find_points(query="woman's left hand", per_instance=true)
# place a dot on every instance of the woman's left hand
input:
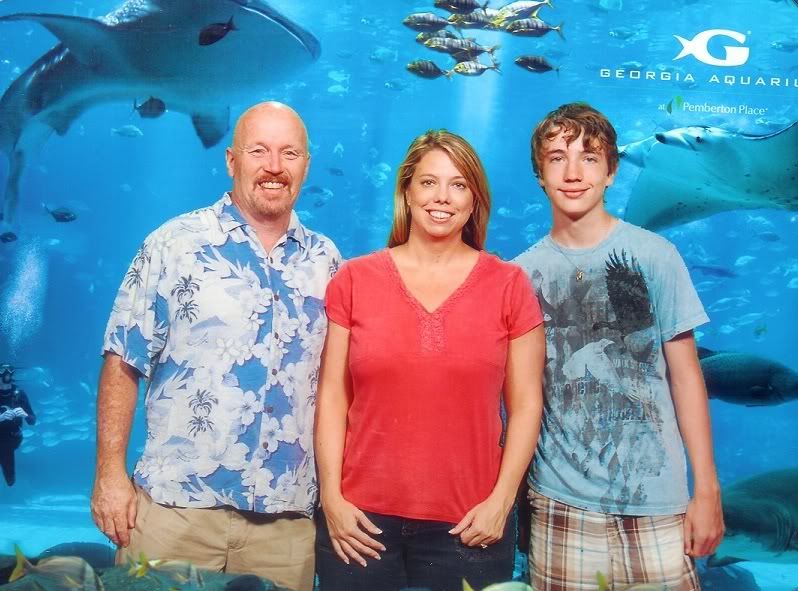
(484, 524)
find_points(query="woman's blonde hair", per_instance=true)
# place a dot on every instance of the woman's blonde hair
(465, 159)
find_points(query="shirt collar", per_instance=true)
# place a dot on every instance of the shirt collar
(230, 218)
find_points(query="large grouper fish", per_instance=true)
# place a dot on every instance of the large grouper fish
(148, 48)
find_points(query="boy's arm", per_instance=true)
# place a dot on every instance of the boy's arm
(704, 519)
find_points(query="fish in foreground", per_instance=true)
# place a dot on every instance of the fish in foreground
(533, 27)
(62, 214)
(519, 10)
(425, 21)
(460, 6)
(179, 571)
(459, 46)
(215, 32)
(535, 63)
(474, 68)
(152, 108)
(427, 69)
(56, 573)
(479, 19)
(8, 237)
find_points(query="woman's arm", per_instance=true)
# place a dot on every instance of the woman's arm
(347, 524)
(523, 399)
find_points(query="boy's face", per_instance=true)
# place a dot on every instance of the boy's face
(574, 176)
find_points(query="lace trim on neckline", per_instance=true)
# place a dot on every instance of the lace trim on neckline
(431, 324)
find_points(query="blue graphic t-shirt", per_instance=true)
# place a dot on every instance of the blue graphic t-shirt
(609, 440)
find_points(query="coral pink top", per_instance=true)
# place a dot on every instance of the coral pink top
(424, 427)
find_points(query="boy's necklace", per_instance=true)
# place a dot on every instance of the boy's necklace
(580, 274)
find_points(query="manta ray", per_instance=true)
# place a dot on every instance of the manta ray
(761, 517)
(148, 48)
(693, 172)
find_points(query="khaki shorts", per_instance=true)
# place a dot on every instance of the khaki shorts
(568, 546)
(276, 547)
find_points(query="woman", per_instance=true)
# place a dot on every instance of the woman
(423, 338)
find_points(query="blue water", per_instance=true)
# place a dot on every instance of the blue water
(362, 109)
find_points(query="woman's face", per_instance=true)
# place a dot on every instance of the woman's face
(439, 199)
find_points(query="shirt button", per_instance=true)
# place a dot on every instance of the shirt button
(265, 445)
(271, 260)
(277, 297)
(270, 409)
(276, 336)
(274, 372)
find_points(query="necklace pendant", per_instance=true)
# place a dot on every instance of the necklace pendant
(579, 275)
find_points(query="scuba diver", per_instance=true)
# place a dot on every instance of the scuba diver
(14, 407)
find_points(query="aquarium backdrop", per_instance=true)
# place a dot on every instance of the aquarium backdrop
(116, 119)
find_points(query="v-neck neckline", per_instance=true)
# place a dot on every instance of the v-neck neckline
(452, 297)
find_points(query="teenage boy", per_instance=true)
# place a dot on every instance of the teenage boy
(623, 386)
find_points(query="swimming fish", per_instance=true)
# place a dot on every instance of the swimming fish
(425, 21)
(57, 572)
(62, 214)
(152, 108)
(535, 63)
(8, 237)
(460, 6)
(474, 68)
(532, 27)
(741, 378)
(427, 69)
(215, 32)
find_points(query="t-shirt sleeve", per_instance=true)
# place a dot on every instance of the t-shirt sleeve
(338, 300)
(676, 301)
(139, 320)
(522, 307)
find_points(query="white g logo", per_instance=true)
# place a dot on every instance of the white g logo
(697, 47)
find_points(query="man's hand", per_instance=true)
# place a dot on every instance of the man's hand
(113, 507)
(703, 525)
(19, 412)
(8, 415)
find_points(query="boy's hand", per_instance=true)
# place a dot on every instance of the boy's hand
(703, 525)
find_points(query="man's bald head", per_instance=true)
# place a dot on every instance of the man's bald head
(267, 110)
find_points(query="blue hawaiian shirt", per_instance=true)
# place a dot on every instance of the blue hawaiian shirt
(228, 338)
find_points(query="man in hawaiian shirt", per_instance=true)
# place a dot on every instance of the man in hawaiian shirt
(221, 312)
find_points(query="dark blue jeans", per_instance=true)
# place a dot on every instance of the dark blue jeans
(418, 554)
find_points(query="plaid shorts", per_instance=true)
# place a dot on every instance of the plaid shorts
(569, 546)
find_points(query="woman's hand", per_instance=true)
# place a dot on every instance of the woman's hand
(484, 524)
(349, 532)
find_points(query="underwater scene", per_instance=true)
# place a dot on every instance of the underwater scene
(115, 116)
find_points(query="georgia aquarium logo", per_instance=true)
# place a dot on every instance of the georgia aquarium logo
(698, 47)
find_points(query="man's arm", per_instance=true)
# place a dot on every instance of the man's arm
(704, 519)
(113, 500)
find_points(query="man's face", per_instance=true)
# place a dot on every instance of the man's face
(6, 376)
(269, 161)
(574, 176)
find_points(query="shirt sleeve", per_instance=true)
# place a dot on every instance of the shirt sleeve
(678, 307)
(139, 320)
(523, 310)
(338, 300)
